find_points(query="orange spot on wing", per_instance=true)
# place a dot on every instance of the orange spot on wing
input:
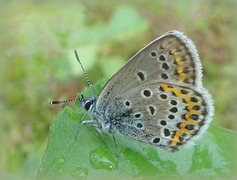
(179, 70)
(179, 62)
(175, 140)
(173, 143)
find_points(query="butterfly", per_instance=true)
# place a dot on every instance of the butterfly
(157, 97)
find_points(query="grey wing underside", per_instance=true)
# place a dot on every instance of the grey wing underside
(169, 116)
(171, 57)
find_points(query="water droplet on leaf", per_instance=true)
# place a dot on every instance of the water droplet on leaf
(100, 158)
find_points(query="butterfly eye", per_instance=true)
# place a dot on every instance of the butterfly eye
(88, 104)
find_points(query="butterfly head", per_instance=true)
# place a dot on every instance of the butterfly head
(88, 103)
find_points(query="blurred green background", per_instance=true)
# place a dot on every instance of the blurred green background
(37, 63)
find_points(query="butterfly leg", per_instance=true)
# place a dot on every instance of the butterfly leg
(82, 123)
(116, 146)
(88, 122)
(96, 126)
(98, 130)
(115, 142)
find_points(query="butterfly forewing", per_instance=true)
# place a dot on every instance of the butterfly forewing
(172, 57)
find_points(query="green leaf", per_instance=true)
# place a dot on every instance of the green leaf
(123, 24)
(87, 154)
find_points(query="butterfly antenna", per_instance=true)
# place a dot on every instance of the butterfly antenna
(85, 74)
(65, 101)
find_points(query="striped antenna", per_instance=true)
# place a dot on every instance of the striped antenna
(85, 74)
(87, 80)
(68, 100)
(65, 101)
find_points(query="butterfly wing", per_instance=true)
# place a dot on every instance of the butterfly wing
(158, 97)
(171, 57)
(163, 114)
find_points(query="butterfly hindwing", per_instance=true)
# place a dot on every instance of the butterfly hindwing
(162, 114)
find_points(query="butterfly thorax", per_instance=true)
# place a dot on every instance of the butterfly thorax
(98, 118)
